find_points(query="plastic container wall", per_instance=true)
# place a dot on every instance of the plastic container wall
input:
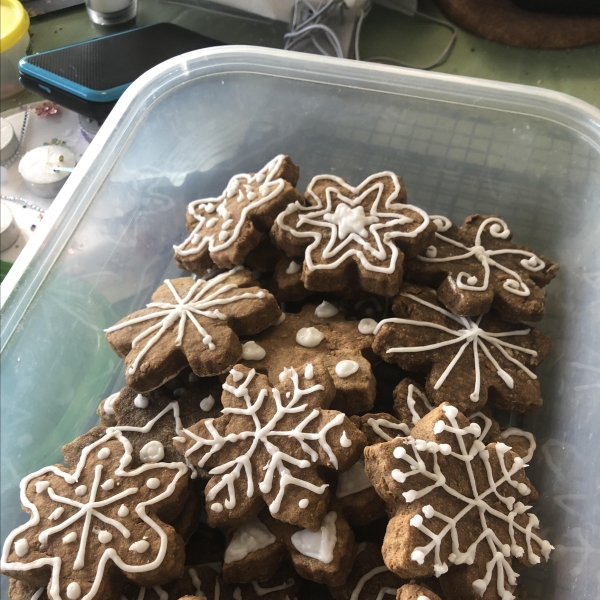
(462, 146)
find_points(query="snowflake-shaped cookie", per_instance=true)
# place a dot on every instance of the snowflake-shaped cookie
(225, 229)
(191, 322)
(95, 519)
(477, 267)
(456, 502)
(350, 235)
(466, 359)
(270, 445)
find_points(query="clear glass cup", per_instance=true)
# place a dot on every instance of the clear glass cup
(111, 12)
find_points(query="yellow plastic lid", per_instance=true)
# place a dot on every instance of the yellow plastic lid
(14, 23)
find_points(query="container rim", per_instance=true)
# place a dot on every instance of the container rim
(558, 107)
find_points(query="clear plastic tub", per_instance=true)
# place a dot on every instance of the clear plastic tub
(461, 145)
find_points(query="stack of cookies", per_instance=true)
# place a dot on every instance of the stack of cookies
(311, 412)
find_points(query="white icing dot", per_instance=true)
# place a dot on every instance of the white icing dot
(326, 310)
(428, 511)
(399, 452)
(252, 351)
(152, 452)
(345, 442)
(73, 591)
(211, 222)
(141, 401)
(21, 547)
(109, 484)
(180, 438)
(293, 268)
(472, 280)
(104, 536)
(153, 483)
(309, 372)
(179, 392)
(104, 453)
(280, 319)
(69, 538)
(237, 375)
(303, 503)
(56, 513)
(223, 235)
(345, 368)
(140, 546)
(367, 326)
(41, 486)
(309, 337)
(108, 404)
(80, 490)
(237, 594)
(206, 404)
(216, 507)
(227, 224)
(431, 252)
(123, 511)
(209, 208)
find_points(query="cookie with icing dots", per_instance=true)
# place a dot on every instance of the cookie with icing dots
(270, 446)
(466, 359)
(348, 236)
(476, 267)
(286, 283)
(455, 502)
(223, 230)
(195, 323)
(18, 590)
(319, 333)
(95, 524)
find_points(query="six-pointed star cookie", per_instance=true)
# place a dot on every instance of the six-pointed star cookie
(465, 359)
(88, 523)
(270, 445)
(191, 322)
(456, 501)
(225, 229)
(476, 267)
(349, 234)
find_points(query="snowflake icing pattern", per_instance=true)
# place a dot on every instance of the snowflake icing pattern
(72, 509)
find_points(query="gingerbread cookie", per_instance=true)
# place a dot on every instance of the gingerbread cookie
(191, 322)
(225, 229)
(92, 526)
(319, 334)
(349, 235)
(286, 284)
(18, 590)
(465, 359)
(416, 591)
(477, 267)
(270, 446)
(455, 501)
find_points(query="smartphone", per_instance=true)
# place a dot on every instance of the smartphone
(90, 77)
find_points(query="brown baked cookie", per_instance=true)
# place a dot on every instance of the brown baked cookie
(349, 235)
(466, 360)
(286, 284)
(270, 445)
(455, 501)
(18, 590)
(223, 230)
(191, 322)
(264, 257)
(416, 591)
(95, 525)
(319, 334)
(476, 267)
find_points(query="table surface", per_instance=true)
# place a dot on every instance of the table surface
(385, 32)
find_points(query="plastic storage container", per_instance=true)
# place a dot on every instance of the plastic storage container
(178, 133)
(14, 41)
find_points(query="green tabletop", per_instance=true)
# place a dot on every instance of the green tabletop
(575, 72)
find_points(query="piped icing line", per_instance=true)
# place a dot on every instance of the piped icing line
(232, 470)
(87, 509)
(252, 190)
(377, 426)
(367, 577)
(521, 433)
(202, 299)
(349, 223)
(470, 333)
(262, 591)
(500, 552)
(498, 229)
(411, 402)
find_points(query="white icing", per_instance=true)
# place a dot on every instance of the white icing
(237, 594)
(69, 538)
(470, 333)
(262, 591)
(231, 470)
(141, 401)
(487, 258)
(237, 375)
(366, 577)
(104, 537)
(249, 191)
(521, 433)
(73, 591)
(56, 513)
(293, 268)
(153, 483)
(108, 485)
(280, 319)
(353, 480)
(378, 424)
(202, 299)
(123, 511)
(303, 503)
(345, 368)
(309, 337)
(367, 326)
(345, 442)
(477, 500)
(309, 371)
(216, 507)
(423, 598)
(318, 544)
(411, 402)
(104, 453)
(41, 486)
(80, 490)
(38, 594)
(207, 403)
(140, 546)
(353, 232)
(248, 538)
(109, 403)
(252, 351)
(326, 310)
(21, 547)
(152, 452)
